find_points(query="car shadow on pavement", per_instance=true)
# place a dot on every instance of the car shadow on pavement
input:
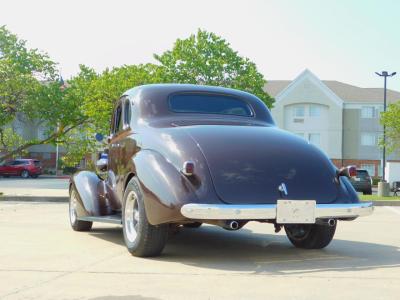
(212, 247)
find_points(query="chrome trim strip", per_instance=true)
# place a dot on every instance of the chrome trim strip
(268, 211)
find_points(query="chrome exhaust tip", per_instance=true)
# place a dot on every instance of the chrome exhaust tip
(233, 225)
(331, 222)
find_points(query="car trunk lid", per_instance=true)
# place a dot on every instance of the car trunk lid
(250, 164)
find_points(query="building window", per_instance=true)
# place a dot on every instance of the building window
(298, 111)
(369, 167)
(315, 111)
(368, 112)
(314, 138)
(368, 139)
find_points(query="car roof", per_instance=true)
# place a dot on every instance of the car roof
(151, 99)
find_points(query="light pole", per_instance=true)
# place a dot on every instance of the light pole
(385, 75)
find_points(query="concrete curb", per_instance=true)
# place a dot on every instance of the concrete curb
(34, 198)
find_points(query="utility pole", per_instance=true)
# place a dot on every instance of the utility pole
(385, 75)
(383, 186)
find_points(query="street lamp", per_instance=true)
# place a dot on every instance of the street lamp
(385, 75)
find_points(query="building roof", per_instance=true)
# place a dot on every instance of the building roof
(347, 92)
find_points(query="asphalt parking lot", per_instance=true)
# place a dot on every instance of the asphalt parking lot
(42, 258)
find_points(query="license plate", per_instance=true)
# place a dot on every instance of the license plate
(295, 211)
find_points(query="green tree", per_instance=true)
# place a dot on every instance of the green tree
(205, 58)
(30, 92)
(391, 119)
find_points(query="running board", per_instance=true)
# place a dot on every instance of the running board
(114, 219)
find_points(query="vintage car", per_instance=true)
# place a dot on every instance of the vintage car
(183, 155)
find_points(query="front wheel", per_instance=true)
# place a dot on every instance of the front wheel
(141, 238)
(310, 236)
(76, 224)
(25, 174)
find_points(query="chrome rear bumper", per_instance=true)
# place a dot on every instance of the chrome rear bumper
(268, 211)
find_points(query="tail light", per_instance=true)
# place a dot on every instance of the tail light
(352, 171)
(188, 168)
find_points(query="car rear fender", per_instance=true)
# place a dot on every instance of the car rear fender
(164, 187)
(91, 190)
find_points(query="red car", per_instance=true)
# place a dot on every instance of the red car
(21, 167)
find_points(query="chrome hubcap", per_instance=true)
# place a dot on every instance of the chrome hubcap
(72, 208)
(131, 217)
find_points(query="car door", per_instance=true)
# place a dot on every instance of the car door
(113, 151)
(15, 167)
(121, 147)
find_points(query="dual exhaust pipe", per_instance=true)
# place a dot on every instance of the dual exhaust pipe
(235, 225)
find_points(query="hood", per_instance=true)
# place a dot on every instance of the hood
(248, 164)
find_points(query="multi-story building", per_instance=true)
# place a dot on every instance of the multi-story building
(341, 119)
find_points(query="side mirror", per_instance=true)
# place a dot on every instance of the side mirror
(349, 171)
(102, 163)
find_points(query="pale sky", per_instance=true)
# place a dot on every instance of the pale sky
(337, 40)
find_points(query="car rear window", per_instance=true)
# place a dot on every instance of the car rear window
(209, 104)
(362, 174)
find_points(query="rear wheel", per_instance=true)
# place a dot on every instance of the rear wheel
(310, 236)
(76, 224)
(141, 238)
(25, 174)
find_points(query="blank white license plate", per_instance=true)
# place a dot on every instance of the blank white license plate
(295, 211)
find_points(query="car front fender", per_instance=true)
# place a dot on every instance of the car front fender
(91, 190)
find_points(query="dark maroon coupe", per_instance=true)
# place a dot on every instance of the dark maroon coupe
(188, 154)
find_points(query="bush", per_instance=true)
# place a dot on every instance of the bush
(375, 180)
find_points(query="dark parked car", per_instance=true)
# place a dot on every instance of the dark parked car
(21, 167)
(183, 155)
(362, 182)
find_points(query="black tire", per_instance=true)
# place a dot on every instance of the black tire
(141, 238)
(193, 225)
(25, 174)
(369, 192)
(310, 236)
(76, 224)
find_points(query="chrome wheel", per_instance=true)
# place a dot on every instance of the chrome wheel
(72, 207)
(24, 174)
(131, 217)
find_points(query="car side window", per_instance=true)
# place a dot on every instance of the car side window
(127, 112)
(118, 123)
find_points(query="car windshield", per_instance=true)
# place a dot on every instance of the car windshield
(362, 174)
(209, 104)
